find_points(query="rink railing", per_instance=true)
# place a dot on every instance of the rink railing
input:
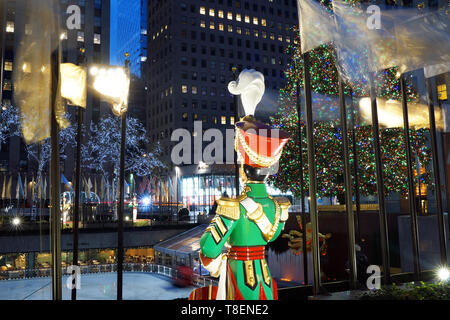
(169, 272)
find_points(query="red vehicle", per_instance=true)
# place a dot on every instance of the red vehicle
(183, 277)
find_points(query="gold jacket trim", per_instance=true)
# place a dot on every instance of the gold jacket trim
(284, 204)
(249, 272)
(265, 272)
(228, 208)
(220, 224)
(217, 238)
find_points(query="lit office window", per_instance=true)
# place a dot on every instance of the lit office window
(10, 26)
(288, 39)
(272, 36)
(221, 27)
(230, 15)
(211, 25)
(185, 116)
(214, 120)
(238, 17)
(202, 10)
(212, 13)
(202, 23)
(239, 30)
(8, 66)
(97, 38)
(223, 120)
(264, 34)
(232, 120)
(220, 14)
(273, 61)
(264, 22)
(280, 37)
(184, 88)
(230, 28)
(256, 33)
(7, 85)
(247, 31)
(28, 29)
(194, 90)
(80, 36)
(442, 91)
(255, 20)
(247, 19)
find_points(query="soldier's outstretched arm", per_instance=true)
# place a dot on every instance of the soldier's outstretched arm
(284, 205)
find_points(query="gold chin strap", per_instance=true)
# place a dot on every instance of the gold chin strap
(242, 174)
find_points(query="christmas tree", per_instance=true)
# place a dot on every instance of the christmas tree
(328, 134)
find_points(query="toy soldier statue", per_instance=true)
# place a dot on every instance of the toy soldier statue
(243, 226)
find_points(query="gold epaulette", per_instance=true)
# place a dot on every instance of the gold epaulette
(228, 208)
(284, 204)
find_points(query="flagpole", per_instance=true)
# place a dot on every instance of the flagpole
(380, 183)
(348, 187)
(302, 189)
(55, 225)
(411, 193)
(355, 172)
(444, 160)
(236, 119)
(437, 173)
(77, 181)
(312, 175)
(120, 250)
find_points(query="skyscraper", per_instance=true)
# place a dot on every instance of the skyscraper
(129, 34)
(194, 47)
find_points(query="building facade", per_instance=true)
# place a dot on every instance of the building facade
(91, 33)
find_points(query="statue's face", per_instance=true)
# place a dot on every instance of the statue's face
(256, 174)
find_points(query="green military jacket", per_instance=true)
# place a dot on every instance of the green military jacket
(250, 221)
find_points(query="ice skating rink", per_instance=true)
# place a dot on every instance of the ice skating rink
(100, 286)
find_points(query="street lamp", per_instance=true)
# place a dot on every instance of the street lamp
(113, 84)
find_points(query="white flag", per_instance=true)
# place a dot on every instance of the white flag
(73, 84)
(436, 69)
(316, 23)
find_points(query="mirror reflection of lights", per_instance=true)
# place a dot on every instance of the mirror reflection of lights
(443, 274)
(146, 201)
(390, 113)
(16, 222)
